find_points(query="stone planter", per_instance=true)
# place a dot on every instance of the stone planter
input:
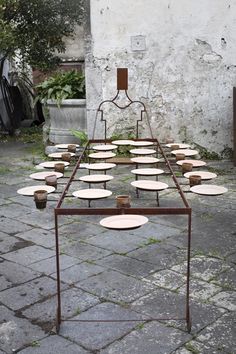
(70, 115)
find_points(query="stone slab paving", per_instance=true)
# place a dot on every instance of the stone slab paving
(96, 335)
(15, 332)
(12, 226)
(48, 266)
(40, 237)
(15, 273)
(113, 275)
(127, 265)
(84, 251)
(79, 272)
(115, 286)
(74, 301)
(28, 293)
(145, 340)
(52, 345)
(161, 254)
(28, 255)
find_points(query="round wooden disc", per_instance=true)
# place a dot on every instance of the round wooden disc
(106, 147)
(57, 155)
(142, 143)
(51, 164)
(147, 171)
(65, 146)
(195, 163)
(102, 155)
(186, 152)
(42, 175)
(208, 189)
(149, 185)
(29, 191)
(92, 193)
(181, 146)
(122, 142)
(124, 221)
(142, 151)
(145, 159)
(100, 166)
(204, 174)
(96, 178)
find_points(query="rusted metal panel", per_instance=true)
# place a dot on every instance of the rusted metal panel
(122, 79)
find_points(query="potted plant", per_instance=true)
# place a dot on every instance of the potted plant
(64, 96)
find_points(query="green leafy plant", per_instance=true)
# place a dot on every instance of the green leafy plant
(62, 86)
(82, 136)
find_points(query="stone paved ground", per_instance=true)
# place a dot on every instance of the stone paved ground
(116, 275)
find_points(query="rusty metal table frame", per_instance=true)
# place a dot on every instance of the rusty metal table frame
(122, 84)
(185, 210)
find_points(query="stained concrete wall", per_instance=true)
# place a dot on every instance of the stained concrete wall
(183, 67)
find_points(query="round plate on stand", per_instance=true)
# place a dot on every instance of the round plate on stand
(124, 222)
(186, 152)
(149, 185)
(147, 171)
(58, 155)
(143, 151)
(122, 142)
(208, 189)
(42, 175)
(142, 143)
(96, 178)
(106, 147)
(181, 146)
(65, 146)
(145, 160)
(195, 163)
(100, 166)
(51, 164)
(102, 155)
(205, 175)
(29, 191)
(92, 193)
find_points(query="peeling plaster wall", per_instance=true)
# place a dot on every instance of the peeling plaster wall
(184, 75)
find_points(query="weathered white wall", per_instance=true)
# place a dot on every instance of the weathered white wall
(75, 48)
(186, 73)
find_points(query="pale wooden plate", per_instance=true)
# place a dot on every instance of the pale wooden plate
(181, 146)
(106, 147)
(145, 159)
(102, 155)
(195, 163)
(204, 174)
(29, 191)
(149, 185)
(208, 189)
(147, 171)
(186, 152)
(65, 146)
(96, 178)
(143, 151)
(92, 193)
(142, 143)
(42, 175)
(57, 155)
(124, 221)
(51, 164)
(100, 166)
(122, 142)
